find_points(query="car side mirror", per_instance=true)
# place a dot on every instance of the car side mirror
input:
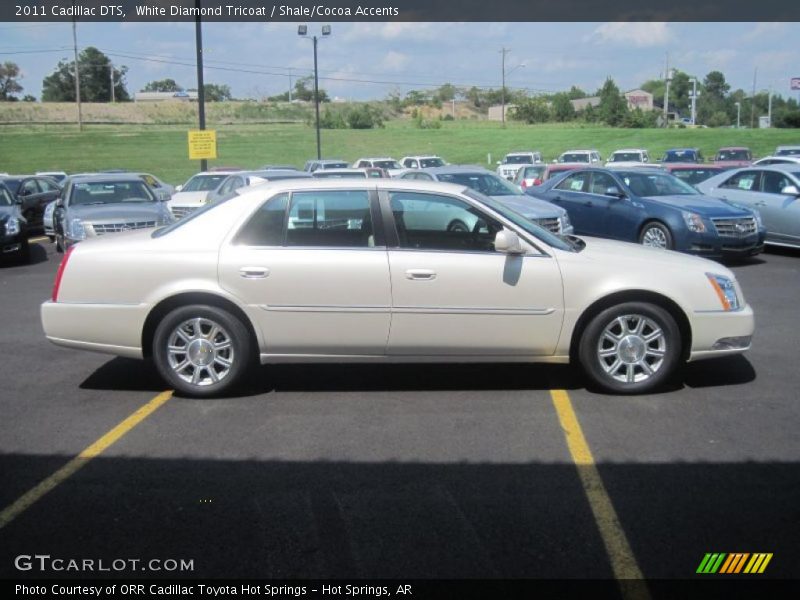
(178, 188)
(614, 192)
(790, 190)
(508, 242)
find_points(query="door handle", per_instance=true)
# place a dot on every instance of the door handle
(420, 274)
(760, 204)
(254, 272)
(588, 203)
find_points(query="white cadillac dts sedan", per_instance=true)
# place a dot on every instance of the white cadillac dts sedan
(374, 271)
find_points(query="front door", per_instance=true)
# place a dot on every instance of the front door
(453, 295)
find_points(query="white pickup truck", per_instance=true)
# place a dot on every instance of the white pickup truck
(509, 166)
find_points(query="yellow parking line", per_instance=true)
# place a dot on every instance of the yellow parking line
(41, 238)
(623, 562)
(25, 501)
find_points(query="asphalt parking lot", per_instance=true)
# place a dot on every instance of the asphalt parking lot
(408, 471)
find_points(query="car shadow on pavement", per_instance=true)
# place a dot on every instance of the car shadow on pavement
(729, 370)
(265, 518)
(125, 374)
(38, 254)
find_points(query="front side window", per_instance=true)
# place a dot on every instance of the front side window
(573, 157)
(203, 183)
(601, 182)
(575, 182)
(331, 219)
(29, 188)
(745, 181)
(773, 182)
(434, 222)
(656, 184)
(488, 184)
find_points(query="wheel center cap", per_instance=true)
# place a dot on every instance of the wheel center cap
(200, 353)
(631, 349)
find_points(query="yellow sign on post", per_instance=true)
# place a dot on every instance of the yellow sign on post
(202, 144)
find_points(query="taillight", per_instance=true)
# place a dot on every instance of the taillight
(60, 273)
(537, 182)
(523, 184)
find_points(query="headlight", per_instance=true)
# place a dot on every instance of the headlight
(693, 221)
(726, 291)
(76, 230)
(12, 226)
(566, 224)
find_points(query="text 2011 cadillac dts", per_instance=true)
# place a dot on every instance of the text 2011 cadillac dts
(373, 271)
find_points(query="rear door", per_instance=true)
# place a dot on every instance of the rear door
(314, 271)
(572, 193)
(780, 212)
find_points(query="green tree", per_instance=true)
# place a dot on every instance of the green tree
(715, 85)
(95, 70)
(9, 86)
(304, 90)
(163, 85)
(562, 108)
(216, 92)
(532, 110)
(575, 93)
(613, 107)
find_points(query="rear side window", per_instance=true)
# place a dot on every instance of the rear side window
(330, 219)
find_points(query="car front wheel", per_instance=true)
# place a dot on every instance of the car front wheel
(656, 235)
(631, 348)
(201, 350)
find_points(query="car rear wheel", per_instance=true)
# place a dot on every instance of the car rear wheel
(631, 348)
(656, 235)
(201, 350)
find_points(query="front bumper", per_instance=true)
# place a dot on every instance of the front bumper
(716, 246)
(720, 333)
(11, 244)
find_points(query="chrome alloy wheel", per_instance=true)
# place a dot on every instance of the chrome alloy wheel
(631, 348)
(654, 237)
(200, 352)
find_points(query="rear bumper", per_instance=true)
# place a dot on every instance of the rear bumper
(107, 328)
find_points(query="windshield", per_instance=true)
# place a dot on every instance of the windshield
(695, 176)
(335, 165)
(425, 163)
(12, 184)
(556, 241)
(339, 175)
(626, 157)
(110, 192)
(203, 183)
(517, 159)
(485, 183)
(5, 197)
(386, 164)
(680, 156)
(656, 184)
(533, 172)
(788, 152)
(569, 157)
(733, 155)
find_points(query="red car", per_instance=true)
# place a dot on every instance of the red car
(556, 168)
(733, 157)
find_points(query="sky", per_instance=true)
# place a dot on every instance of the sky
(361, 61)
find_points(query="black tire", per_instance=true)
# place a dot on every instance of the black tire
(59, 245)
(23, 256)
(457, 225)
(601, 369)
(240, 355)
(657, 229)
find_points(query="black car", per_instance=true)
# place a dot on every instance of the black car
(35, 192)
(13, 228)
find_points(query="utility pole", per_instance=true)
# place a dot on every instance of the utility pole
(290, 84)
(111, 77)
(694, 101)
(316, 98)
(77, 72)
(667, 78)
(753, 100)
(503, 51)
(769, 106)
(201, 94)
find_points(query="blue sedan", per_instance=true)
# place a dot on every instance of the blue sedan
(653, 208)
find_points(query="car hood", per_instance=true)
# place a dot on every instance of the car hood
(707, 206)
(118, 211)
(729, 164)
(530, 207)
(615, 252)
(189, 198)
(8, 211)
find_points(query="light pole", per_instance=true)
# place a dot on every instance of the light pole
(668, 76)
(738, 106)
(505, 72)
(302, 30)
(694, 101)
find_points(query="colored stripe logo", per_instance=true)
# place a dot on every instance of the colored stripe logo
(734, 563)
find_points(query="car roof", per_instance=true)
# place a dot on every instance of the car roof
(630, 150)
(578, 151)
(267, 173)
(523, 152)
(375, 158)
(327, 161)
(362, 184)
(684, 149)
(791, 167)
(788, 147)
(344, 170)
(217, 173)
(453, 169)
(733, 148)
(679, 165)
(419, 156)
(106, 178)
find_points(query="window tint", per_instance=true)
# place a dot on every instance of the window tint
(47, 185)
(151, 181)
(330, 218)
(773, 182)
(575, 182)
(265, 227)
(433, 222)
(601, 182)
(28, 188)
(746, 180)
